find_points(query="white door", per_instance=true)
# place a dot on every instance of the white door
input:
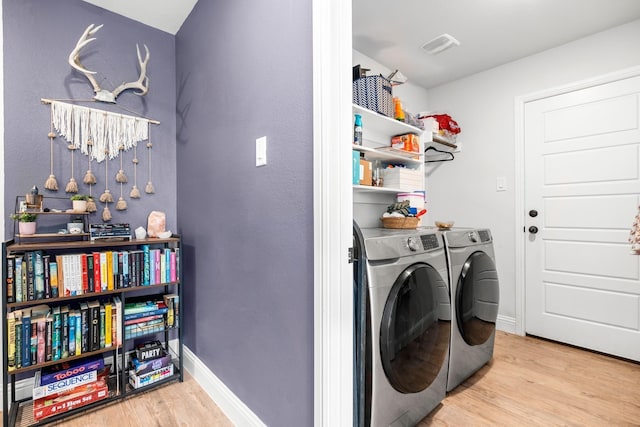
(582, 176)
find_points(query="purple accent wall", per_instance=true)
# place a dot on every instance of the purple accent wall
(38, 37)
(244, 70)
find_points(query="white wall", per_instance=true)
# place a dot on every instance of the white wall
(483, 106)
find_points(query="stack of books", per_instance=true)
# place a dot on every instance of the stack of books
(67, 386)
(143, 318)
(148, 364)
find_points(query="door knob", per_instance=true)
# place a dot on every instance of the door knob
(533, 213)
(533, 229)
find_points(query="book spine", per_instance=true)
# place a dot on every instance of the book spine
(159, 267)
(19, 350)
(33, 348)
(49, 339)
(79, 332)
(10, 281)
(31, 293)
(120, 278)
(57, 328)
(108, 334)
(143, 319)
(39, 275)
(72, 334)
(94, 332)
(60, 266)
(103, 326)
(90, 274)
(172, 267)
(146, 266)
(110, 270)
(85, 328)
(26, 339)
(117, 319)
(125, 270)
(103, 271)
(64, 332)
(97, 286)
(11, 341)
(18, 279)
(46, 269)
(53, 279)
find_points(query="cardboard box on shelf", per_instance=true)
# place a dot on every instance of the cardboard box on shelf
(365, 172)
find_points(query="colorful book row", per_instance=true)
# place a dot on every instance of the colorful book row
(41, 334)
(38, 275)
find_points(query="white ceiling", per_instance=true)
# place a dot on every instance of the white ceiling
(491, 32)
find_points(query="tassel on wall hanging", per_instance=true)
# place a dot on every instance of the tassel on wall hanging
(106, 197)
(149, 187)
(135, 192)
(72, 186)
(121, 178)
(51, 183)
(89, 177)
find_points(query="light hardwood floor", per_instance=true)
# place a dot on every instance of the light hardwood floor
(529, 382)
(533, 382)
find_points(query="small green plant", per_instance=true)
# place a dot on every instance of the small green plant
(24, 217)
(80, 197)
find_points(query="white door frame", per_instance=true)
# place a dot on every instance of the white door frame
(520, 240)
(333, 213)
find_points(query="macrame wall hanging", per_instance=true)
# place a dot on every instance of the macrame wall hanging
(101, 136)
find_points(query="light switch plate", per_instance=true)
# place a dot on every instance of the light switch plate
(261, 151)
(501, 183)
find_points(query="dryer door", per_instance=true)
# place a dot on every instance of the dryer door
(415, 329)
(477, 298)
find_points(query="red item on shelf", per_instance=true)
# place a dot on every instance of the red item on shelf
(445, 122)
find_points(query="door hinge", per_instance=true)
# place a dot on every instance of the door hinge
(351, 255)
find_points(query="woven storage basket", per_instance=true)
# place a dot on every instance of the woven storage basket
(397, 222)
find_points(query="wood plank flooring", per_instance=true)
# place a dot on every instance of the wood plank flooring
(533, 382)
(529, 382)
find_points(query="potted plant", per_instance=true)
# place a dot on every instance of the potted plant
(80, 202)
(26, 222)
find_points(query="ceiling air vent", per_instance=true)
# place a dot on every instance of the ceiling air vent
(440, 43)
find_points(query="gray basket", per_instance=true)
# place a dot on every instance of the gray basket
(374, 93)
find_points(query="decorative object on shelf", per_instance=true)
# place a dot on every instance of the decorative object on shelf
(103, 95)
(26, 222)
(444, 225)
(79, 202)
(51, 183)
(156, 223)
(33, 200)
(135, 192)
(72, 186)
(149, 187)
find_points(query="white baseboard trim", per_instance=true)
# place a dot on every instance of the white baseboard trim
(239, 414)
(506, 324)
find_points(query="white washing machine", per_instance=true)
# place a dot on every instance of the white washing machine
(403, 326)
(475, 292)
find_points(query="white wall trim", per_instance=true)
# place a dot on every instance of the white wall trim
(506, 324)
(333, 213)
(229, 403)
(519, 105)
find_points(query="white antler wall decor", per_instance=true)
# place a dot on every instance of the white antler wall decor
(142, 84)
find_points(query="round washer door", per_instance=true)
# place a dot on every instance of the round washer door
(477, 298)
(415, 329)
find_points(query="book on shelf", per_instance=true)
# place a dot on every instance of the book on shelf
(10, 280)
(18, 341)
(161, 309)
(64, 332)
(116, 316)
(46, 268)
(11, 341)
(144, 328)
(53, 278)
(85, 329)
(108, 322)
(26, 337)
(57, 334)
(94, 325)
(49, 338)
(97, 273)
(38, 275)
(171, 301)
(103, 271)
(18, 278)
(146, 267)
(30, 257)
(143, 319)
